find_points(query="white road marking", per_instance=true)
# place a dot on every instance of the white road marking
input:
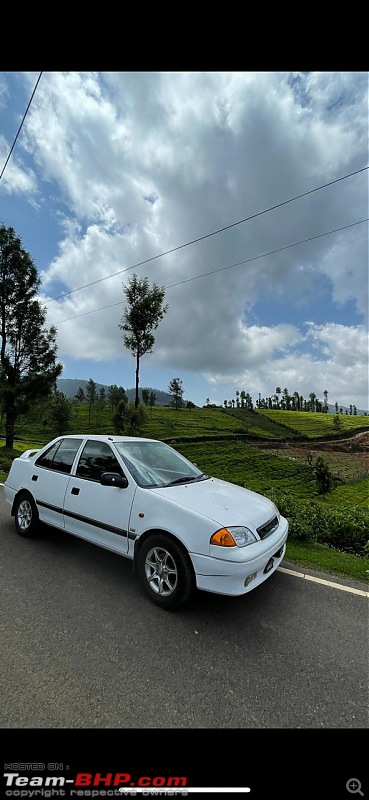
(324, 582)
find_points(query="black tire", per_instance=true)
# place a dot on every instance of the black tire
(165, 571)
(25, 515)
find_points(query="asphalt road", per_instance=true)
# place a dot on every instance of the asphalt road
(82, 647)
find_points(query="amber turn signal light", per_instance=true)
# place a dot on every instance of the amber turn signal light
(223, 538)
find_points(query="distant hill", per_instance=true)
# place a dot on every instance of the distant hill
(70, 386)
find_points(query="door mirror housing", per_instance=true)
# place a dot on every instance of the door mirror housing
(113, 479)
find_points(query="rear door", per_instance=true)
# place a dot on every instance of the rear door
(50, 478)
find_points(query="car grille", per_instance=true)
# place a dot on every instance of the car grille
(268, 528)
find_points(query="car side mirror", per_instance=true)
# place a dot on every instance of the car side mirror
(113, 479)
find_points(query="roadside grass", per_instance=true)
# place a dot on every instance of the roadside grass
(7, 456)
(323, 558)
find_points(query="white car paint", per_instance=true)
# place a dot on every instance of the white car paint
(120, 519)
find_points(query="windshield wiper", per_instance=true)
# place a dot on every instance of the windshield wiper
(185, 479)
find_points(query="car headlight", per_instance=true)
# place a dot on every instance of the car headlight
(234, 536)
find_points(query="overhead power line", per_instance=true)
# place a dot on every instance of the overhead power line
(223, 269)
(208, 235)
(21, 125)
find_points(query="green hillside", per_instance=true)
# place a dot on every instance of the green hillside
(161, 423)
(258, 424)
(315, 425)
(248, 466)
(164, 422)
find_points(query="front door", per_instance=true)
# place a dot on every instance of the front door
(98, 513)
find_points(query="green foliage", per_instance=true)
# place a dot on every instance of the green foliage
(135, 419)
(90, 396)
(345, 529)
(145, 394)
(28, 367)
(355, 493)
(175, 389)
(119, 418)
(7, 456)
(129, 419)
(60, 412)
(322, 476)
(116, 394)
(141, 317)
(337, 423)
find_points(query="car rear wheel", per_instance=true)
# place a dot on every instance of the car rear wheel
(25, 515)
(165, 571)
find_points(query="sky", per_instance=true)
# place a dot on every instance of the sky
(112, 169)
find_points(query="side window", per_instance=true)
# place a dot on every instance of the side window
(97, 457)
(60, 456)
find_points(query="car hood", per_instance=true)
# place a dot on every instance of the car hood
(223, 502)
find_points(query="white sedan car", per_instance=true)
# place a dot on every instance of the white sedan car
(141, 499)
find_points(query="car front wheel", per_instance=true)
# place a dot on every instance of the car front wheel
(25, 515)
(165, 571)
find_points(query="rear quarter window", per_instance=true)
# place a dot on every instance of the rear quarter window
(60, 456)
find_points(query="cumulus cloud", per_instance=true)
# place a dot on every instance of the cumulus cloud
(16, 179)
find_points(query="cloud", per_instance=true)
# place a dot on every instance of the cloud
(16, 179)
(338, 364)
(142, 163)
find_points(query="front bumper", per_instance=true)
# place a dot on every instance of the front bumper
(251, 565)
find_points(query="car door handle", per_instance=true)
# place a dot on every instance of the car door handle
(75, 490)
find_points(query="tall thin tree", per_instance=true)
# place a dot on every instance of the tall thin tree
(141, 317)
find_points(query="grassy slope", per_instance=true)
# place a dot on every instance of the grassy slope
(164, 422)
(316, 425)
(258, 470)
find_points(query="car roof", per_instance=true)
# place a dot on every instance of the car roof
(105, 437)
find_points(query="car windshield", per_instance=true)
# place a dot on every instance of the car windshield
(154, 464)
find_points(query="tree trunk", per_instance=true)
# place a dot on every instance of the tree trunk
(137, 379)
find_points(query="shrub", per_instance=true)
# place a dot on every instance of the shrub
(322, 476)
(345, 529)
(6, 458)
